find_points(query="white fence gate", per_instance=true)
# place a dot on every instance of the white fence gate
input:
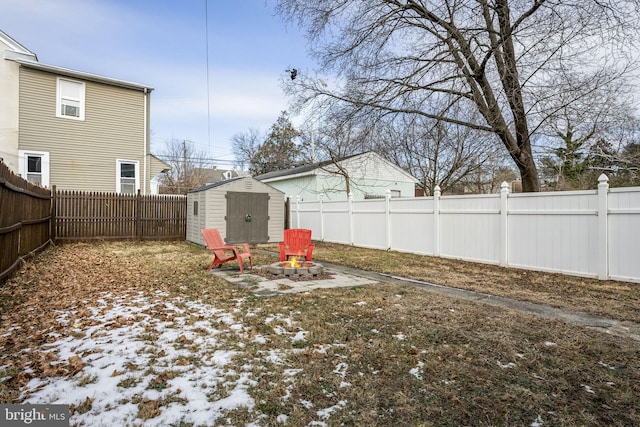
(592, 233)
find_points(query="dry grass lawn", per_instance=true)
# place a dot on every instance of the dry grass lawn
(380, 354)
(616, 300)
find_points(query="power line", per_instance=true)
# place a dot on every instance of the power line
(181, 159)
(206, 31)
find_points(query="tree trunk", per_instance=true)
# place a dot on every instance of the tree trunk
(527, 168)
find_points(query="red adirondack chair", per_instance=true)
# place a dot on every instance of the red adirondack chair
(223, 253)
(297, 242)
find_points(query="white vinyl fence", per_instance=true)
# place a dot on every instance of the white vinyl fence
(593, 233)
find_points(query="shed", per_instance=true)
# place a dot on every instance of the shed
(244, 209)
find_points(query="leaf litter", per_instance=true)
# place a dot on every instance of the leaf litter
(120, 356)
(139, 334)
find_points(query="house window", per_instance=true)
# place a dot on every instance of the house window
(127, 176)
(195, 208)
(70, 99)
(395, 193)
(34, 167)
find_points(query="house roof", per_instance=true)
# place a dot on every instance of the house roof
(312, 168)
(15, 46)
(301, 170)
(166, 166)
(216, 184)
(293, 171)
(82, 75)
(214, 174)
(26, 58)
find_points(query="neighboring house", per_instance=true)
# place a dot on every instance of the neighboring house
(196, 177)
(71, 129)
(370, 176)
(211, 175)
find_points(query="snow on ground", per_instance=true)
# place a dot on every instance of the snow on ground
(165, 356)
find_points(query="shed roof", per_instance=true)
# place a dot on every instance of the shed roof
(229, 181)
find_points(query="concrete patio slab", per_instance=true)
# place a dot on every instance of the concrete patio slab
(271, 287)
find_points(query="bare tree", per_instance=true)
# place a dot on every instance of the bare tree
(437, 153)
(441, 154)
(336, 137)
(245, 146)
(585, 138)
(628, 172)
(188, 167)
(497, 56)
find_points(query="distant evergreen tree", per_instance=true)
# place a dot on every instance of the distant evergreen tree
(628, 171)
(280, 149)
(565, 169)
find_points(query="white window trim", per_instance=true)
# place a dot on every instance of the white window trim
(23, 156)
(59, 95)
(118, 183)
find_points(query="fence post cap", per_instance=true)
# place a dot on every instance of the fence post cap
(603, 178)
(504, 186)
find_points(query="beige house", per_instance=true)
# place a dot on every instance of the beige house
(71, 129)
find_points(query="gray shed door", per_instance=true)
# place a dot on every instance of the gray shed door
(247, 217)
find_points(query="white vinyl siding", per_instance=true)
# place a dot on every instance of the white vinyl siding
(591, 233)
(70, 99)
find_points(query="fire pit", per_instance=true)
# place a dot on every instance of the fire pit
(294, 268)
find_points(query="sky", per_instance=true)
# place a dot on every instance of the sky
(163, 44)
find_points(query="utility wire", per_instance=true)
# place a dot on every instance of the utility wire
(190, 159)
(206, 32)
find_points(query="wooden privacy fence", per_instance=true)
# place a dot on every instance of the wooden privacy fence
(89, 215)
(25, 215)
(31, 217)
